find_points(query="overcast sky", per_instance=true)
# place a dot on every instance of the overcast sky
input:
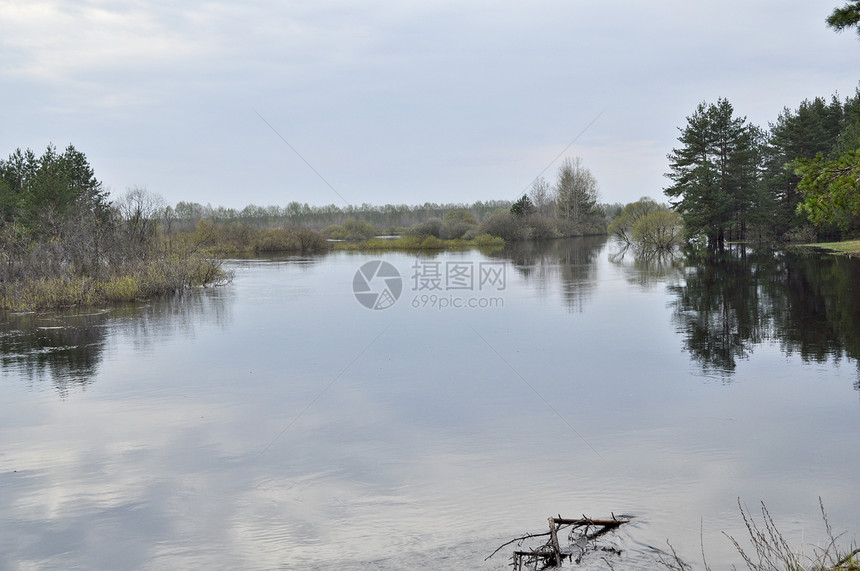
(397, 102)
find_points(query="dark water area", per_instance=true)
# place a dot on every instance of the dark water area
(278, 422)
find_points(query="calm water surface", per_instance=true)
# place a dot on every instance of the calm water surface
(278, 423)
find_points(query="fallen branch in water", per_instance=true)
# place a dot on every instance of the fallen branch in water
(551, 554)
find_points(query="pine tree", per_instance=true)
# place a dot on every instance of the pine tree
(54, 185)
(715, 173)
(846, 17)
(523, 207)
(828, 187)
(812, 129)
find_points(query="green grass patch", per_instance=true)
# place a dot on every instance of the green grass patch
(49, 293)
(121, 288)
(846, 247)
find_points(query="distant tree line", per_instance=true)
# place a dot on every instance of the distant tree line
(186, 215)
(567, 208)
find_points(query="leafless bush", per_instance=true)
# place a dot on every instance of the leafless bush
(772, 552)
(139, 211)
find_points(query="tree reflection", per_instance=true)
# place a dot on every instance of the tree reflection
(67, 347)
(821, 314)
(646, 268)
(728, 302)
(578, 261)
(570, 263)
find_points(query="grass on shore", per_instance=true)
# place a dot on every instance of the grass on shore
(165, 275)
(849, 247)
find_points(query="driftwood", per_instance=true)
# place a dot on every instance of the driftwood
(551, 553)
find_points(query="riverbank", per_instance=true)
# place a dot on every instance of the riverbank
(848, 247)
(194, 260)
(164, 275)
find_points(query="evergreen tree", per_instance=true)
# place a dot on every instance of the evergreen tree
(831, 190)
(846, 17)
(849, 136)
(829, 180)
(523, 207)
(51, 186)
(814, 128)
(715, 173)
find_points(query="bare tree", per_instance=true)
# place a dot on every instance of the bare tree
(139, 211)
(541, 195)
(575, 190)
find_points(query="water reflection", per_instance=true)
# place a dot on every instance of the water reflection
(66, 347)
(724, 305)
(647, 268)
(383, 450)
(569, 264)
(63, 347)
(732, 301)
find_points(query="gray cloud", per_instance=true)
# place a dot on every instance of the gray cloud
(394, 103)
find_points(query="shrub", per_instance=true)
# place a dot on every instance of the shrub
(276, 240)
(622, 226)
(289, 240)
(334, 232)
(310, 240)
(505, 225)
(460, 215)
(455, 230)
(432, 243)
(121, 288)
(358, 229)
(803, 235)
(48, 293)
(542, 227)
(472, 233)
(432, 227)
(661, 230)
(487, 240)
(588, 226)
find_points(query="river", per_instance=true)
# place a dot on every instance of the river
(403, 411)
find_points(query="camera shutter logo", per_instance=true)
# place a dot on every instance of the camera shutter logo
(377, 285)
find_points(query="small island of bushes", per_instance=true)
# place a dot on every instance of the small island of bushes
(64, 244)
